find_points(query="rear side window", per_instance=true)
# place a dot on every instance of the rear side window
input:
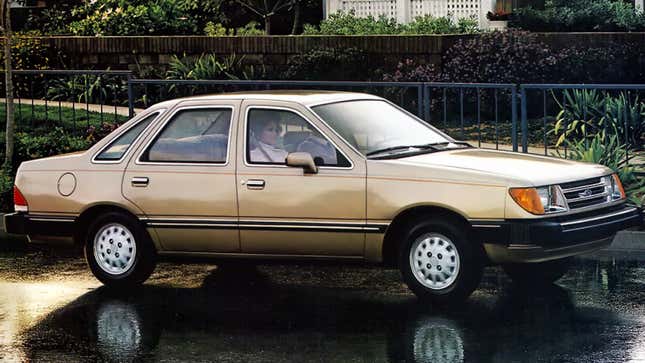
(197, 135)
(121, 144)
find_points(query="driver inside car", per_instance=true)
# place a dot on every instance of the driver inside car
(266, 150)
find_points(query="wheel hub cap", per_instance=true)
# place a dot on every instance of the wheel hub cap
(434, 261)
(114, 249)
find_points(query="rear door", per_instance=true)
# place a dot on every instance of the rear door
(183, 178)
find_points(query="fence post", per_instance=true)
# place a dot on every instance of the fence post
(525, 124)
(420, 100)
(514, 117)
(426, 102)
(130, 96)
(626, 115)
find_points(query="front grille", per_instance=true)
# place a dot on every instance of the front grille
(585, 193)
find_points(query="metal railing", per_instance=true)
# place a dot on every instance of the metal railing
(554, 103)
(87, 97)
(478, 112)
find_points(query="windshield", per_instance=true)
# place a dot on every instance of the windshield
(374, 125)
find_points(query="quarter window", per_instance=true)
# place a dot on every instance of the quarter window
(120, 146)
(193, 136)
(272, 134)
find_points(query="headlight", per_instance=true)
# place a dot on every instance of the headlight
(613, 187)
(543, 200)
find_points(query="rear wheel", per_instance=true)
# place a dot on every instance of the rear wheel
(439, 263)
(119, 251)
(542, 272)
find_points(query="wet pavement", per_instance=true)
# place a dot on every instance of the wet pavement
(51, 309)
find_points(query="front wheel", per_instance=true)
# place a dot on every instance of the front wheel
(543, 272)
(119, 251)
(438, 262)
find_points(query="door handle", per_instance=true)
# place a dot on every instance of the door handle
(140, 181)
(255, 184)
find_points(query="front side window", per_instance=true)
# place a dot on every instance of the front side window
(272, 134)
(121, 144)
(192, 136)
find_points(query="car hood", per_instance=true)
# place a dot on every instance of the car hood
(527, 169)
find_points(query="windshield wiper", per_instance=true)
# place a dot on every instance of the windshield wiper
(442, 143)
(392, 148)
(432, 145)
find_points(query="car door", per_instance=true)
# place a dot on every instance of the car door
(183, 178)
(282, 209)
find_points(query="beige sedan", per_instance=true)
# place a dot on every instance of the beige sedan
(317, 175)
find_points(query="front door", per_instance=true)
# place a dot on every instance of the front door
(183, 178)
(285, 211)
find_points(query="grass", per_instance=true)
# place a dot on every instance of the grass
(76, 120)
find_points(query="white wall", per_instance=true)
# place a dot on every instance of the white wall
(405, 11)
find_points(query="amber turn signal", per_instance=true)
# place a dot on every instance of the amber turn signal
(527, 198)
(618, 184)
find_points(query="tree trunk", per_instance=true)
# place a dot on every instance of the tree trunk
(267, 24)
(9, 87)
(296, 18)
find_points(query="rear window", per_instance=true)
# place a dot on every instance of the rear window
(198, 135)
(121, 144)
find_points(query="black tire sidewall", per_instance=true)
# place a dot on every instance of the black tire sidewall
(470, 260)
(144, 258)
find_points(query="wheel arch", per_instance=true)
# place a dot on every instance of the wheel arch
(396, 229)
(83, 221)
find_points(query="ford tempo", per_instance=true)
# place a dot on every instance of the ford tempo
(315, 175)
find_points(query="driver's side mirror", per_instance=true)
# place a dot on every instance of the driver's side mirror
(302, 160)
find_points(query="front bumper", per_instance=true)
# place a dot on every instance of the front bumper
(537, 240)
(32, 225)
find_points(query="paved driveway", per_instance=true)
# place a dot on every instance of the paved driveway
(51, 309)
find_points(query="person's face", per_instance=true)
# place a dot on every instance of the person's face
(270, 133)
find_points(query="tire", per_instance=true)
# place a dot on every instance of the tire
(542, 273)
(440, 250)
(119, 250)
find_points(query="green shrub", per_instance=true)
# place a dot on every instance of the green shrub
(251, 28)
(6, 190)
(210, 66)
(217, 29)
(29, 52)
(88, 88)
(120, 17)
(589, 112)
(331, 64)
(580, 15)
(55, 142)
(347, 23)
(429, 24)
(54, 19)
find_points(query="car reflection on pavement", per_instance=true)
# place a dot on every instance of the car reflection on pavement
(242, 315)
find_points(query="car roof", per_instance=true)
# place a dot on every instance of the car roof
(305, 97)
